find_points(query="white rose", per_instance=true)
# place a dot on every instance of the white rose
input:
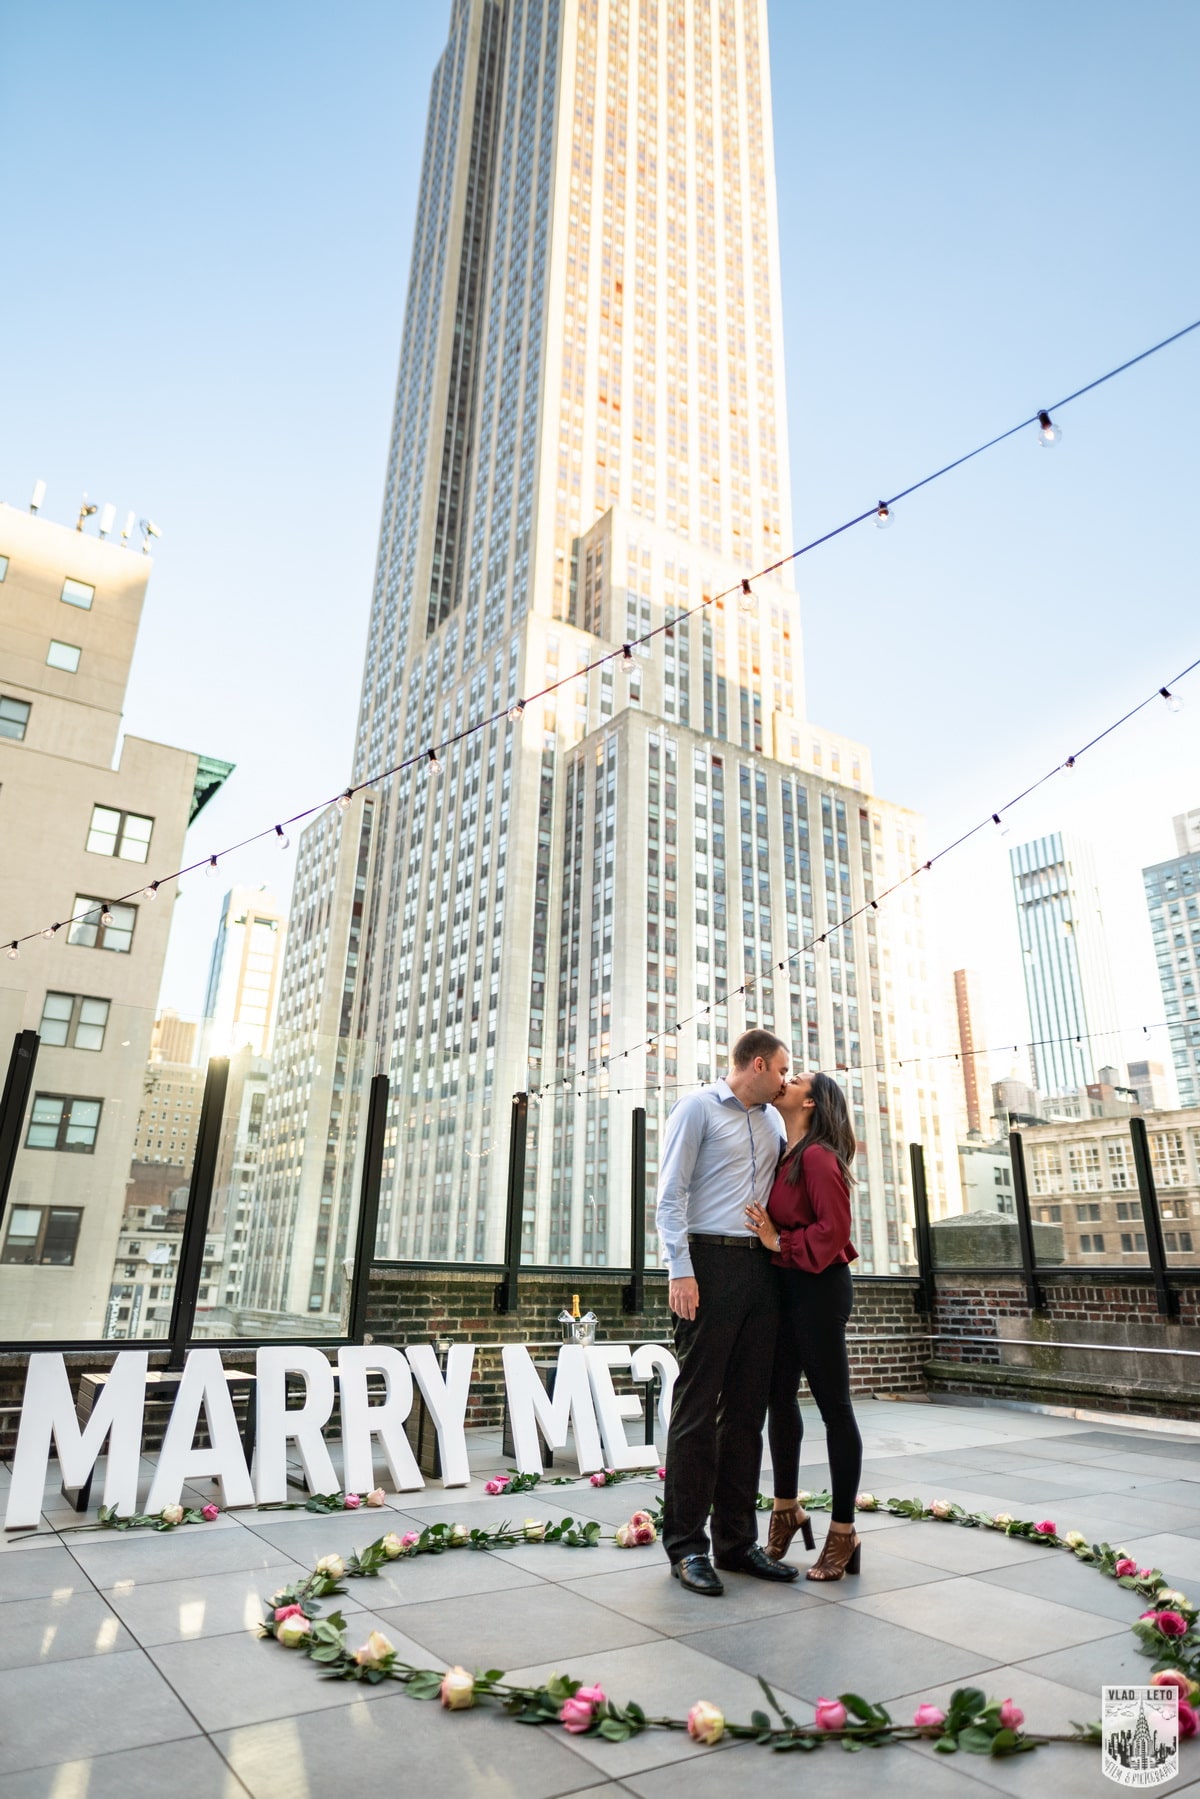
(391, 1546)
(333, 1565)
(294, 1631)
(375, 1651)
(172, 1514)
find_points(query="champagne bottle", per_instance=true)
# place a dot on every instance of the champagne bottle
(575, 1312)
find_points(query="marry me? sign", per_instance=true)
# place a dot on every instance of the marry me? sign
(584, 1402)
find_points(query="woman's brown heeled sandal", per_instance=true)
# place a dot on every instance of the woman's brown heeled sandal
(841, 1553)
(784, 1525)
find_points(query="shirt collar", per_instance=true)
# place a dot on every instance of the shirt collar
(724, 1092)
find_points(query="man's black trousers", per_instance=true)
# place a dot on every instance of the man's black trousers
(714, 1446)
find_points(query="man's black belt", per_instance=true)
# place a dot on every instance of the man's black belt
(747, 1242)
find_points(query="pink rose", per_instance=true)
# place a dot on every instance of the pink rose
(1173, 1677)
(1171, 1624)
(830, 1714)
(1145, 1573)
(578, 1714)
(1011, 1716)
(1189, 1723)
(376, 1496)
(1047, 1528)
(351, 1502)
(409, 1538)
(662, 1474)
(706, 1724)
(1125, 1566)
(644, 1534)
(928, 1717)
(288, 1611)
(209, 1512)
(599, 1480)
(457, 1691)
(500, 1484)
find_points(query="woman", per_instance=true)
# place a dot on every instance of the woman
(807, 1228)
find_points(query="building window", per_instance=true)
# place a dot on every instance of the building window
(60, 1121)
(78, 593)
(1131, 1240)
(73, 1021)
(1092, 1245)
(90, 929)
(14, 716)
(123, 834)
(63, 655)
(3, 567)
(46, 1235)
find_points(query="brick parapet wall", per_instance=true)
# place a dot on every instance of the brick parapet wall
(888, 1339)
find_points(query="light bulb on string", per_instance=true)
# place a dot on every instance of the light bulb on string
(105, 916)
(883, 515)
(343, 799)
(746, 600)
(282, 840)
(627, 658)
(434, 761)
(211, 869)
(13, 950)
(49, 931)
(1048, 432)
(1068, 767)
(1171, 700)
(150, 892)
(515, 711)
(1000, 825)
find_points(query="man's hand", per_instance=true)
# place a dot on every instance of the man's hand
(685, 1297)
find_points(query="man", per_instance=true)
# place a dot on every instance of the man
(722, 1146)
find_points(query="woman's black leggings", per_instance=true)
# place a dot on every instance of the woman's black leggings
(814, 1309)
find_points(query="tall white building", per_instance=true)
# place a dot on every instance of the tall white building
(1173, 901)
(243, 974)
(588, 441)
(1068, 978)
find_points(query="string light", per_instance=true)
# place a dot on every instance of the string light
(13, 950)
(1042, 419)
(150, 892)
(515, 711)
(435, 762)
(211, 869)
(50, 931)
(1171, 700)
(883, 515)
(282, 840)
(1068, 766)
(746, 600)
(1048, 432)
(106, 916)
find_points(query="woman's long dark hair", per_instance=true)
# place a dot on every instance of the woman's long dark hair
(830, 1125)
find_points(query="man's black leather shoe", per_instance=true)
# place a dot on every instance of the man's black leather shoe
(757, 1562)
(695, 1572)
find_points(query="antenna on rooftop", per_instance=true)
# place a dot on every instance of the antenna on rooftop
(38, 495)
(85, 512)
(106, 519)
(126, 528)
(148, 530)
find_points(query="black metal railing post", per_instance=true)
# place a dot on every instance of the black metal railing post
(924, 1296)
(1033, 1291)
(195, 1223)
(634, 1297)
(368, 1204)
(505, 1297)
(1168, 1301)
(17, 1085)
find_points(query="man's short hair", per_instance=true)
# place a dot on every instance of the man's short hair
(756, 1043)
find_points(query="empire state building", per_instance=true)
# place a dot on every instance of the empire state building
(588, 441)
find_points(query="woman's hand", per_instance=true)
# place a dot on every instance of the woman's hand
(759, 1221)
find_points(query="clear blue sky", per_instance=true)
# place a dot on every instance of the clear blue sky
(209, 216)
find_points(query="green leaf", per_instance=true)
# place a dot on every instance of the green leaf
(614, 1729)
(760, 1720)
(975, 1740)
(860, 1708)
(946, 1745)
(789, 1721)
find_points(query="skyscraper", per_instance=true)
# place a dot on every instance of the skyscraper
(975, 1078)
(589, 440)
(1068, 980)
(1173, 899)
(243, 974)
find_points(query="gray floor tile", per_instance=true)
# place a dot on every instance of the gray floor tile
(191, 1769)
(229, 1681)
(1049, 1705)
(210, 1605)
(1176, 1553)
(1066, 1770)
(402, 1746)
(450, 1576)
(59, 1629)
(1109, 1661)
(654, 1599)
(1004, 1626)
(959, 1549)
(62, 1711)
(1104, 1515)
(880, 1572)
(827, 1649)
(1070, 1582)
(47, 1571)
(498, 1630)
(666, 1679)
(121, 1559)
(747, 1769)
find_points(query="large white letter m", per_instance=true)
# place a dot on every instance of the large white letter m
(48, 1415)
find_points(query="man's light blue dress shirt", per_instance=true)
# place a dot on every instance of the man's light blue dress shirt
(717, 1157)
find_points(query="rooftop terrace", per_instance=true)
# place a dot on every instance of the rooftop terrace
(129, 1664)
